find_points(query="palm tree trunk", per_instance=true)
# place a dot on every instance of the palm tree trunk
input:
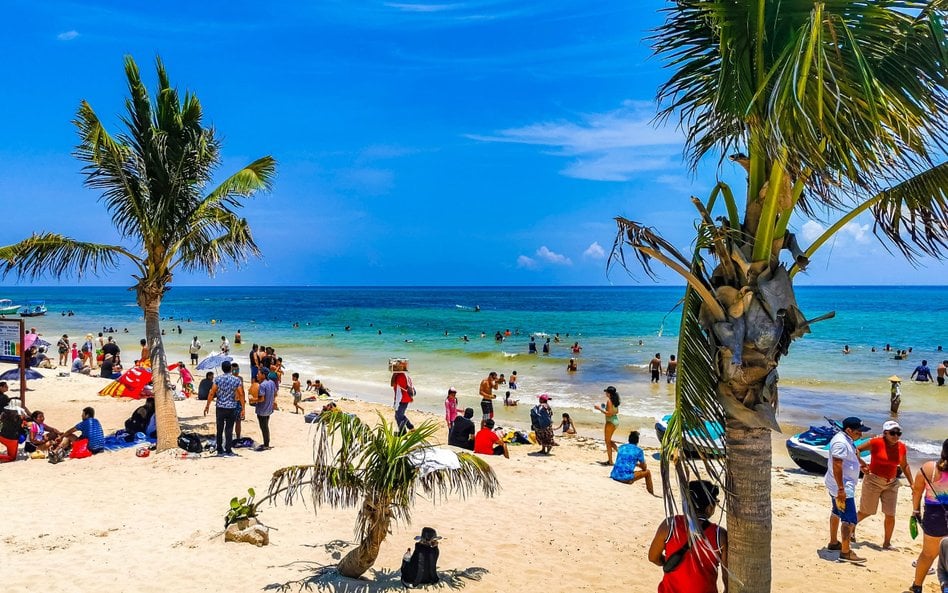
(360, 559)
(166, 415)
(749, 521)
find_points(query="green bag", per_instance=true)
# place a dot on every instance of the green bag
(913, 526)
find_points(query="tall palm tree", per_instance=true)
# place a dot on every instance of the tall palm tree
(153, 177)
(834, 108)
(357, 465)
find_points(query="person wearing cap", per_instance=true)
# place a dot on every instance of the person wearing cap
(462, 431)
(420, 567)
(266, 403)
(541, 417)
(895, 394)
(486, 441)
(692, 565)
(842, 473)
(451, 407)
(404, 395)
(881, 481)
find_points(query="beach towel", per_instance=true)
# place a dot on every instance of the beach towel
(432, 459)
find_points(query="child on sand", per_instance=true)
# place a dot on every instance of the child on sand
(187, 380)
(567, 425)
(297, 394)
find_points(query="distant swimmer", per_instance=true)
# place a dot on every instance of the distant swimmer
(509, 402)
(546, 346)
(922, 374)
(846, 349)
(576, 348)
(571, 366)
(477, 308)
(532, 346)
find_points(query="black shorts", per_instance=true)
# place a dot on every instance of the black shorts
(655, 376)
(935, 520)
(941, 381)
(194, 357)
(487, 408)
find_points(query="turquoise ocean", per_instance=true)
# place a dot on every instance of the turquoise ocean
(619, 329)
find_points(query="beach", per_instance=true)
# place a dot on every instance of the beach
(119, 522)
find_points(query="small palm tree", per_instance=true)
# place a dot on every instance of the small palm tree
(357, 465)
(153, 178)
(835, 107)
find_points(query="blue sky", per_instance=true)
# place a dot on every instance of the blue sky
(482, 142)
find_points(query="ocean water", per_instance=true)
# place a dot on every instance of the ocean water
(619, 329)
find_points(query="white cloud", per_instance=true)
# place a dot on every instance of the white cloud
(595, 251)
(526, 262)
(422, 7)
(610, 146)
(67, 35)
(546, 255)
(852, 232)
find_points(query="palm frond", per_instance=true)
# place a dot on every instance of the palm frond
(913, 215)
(50, 254)
(255, 177)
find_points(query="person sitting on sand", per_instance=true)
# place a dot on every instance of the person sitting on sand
(509, 402)
(630, 464)
(89, 428)
(138, 421)
(421, 566)
(81, 366)
(462, 431)
(486, 441)
(204, 387)
(566, 424)
(10, 425)
(691, 565)
(42, 436)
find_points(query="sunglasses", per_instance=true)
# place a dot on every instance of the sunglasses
(895, 433)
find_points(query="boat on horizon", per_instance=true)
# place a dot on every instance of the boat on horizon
(7, 307)
(33, 309)
(810, 448)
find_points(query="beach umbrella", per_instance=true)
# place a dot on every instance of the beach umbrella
(14, 375)
(41, 343)
(133, 383)
(213, 361)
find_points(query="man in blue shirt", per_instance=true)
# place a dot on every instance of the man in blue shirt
(265, 406)
(922, 373)
(89, 428)
(227, 390)
(630, 464)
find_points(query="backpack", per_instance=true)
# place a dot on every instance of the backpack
(539, 417)
(190, 442)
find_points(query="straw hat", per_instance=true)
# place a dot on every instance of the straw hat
(895, 378)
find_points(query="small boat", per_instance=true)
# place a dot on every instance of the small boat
(810, 448)
(8, 308)
(33, 309)
(694, 444)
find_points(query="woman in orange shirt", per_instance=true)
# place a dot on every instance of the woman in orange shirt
(881, 481)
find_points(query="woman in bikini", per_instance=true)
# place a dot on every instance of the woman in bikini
(931, 484)
(611, 410)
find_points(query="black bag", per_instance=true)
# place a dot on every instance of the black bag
(190, 442)
(540, 418)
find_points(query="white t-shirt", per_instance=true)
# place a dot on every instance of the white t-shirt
(842, 447)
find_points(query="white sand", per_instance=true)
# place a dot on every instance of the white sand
(116, 522)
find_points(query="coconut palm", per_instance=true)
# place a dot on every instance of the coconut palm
(370, 467)
(833, 109)
(153, 177)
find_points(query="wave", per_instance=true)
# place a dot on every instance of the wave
(927, 448)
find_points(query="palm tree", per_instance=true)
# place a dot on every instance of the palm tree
(357, 465)
(152, 177)
(833, 108)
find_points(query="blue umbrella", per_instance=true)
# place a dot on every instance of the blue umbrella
(213, 361)
(14, 375)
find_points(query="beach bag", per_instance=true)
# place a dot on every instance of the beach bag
(539, 418)
(80, 449)
(190, 442)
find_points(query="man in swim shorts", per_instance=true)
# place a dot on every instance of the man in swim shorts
(487, 395)
(655, 367)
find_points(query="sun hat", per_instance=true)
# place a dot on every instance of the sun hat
(855, 423)
(890, 425)
(545, 398)
(428, 534)
(895, 378)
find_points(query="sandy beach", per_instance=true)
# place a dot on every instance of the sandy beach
(119, 522)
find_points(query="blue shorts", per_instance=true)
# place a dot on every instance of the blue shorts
(848, 515)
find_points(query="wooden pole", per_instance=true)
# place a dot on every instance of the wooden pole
(22, 367)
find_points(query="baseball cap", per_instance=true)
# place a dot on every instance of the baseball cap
(855, 423)
(545, 398)
(891, 425)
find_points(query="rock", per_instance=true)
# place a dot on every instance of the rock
(248, 531)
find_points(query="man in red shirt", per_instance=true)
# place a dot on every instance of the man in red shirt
(881, 482)
(486, 441)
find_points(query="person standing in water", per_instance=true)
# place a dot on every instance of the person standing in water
(655, 367)
(895, 394)
(671, 371)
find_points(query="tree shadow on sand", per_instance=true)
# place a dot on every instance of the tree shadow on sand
(325, 579)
